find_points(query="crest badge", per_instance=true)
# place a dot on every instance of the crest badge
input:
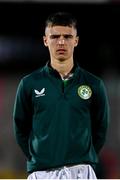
(84, 92)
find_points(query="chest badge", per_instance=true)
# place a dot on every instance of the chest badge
(84, 92)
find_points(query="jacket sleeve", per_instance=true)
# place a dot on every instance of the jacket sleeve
(22, 118)
(100, 117)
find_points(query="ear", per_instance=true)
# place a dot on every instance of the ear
(76, 41)
(45, 41)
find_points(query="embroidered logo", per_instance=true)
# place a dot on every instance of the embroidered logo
(84, 92)
(39, 93)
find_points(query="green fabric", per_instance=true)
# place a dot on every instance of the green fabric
(52, 125)
(65, 82)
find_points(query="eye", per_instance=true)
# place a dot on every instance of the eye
(54, 36)
(68, 36)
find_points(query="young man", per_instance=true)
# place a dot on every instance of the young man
(61, 110)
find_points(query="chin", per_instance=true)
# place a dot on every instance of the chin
(61, 59)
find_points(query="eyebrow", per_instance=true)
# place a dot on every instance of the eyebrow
(66, 36)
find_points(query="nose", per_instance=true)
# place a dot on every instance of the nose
(61, 40)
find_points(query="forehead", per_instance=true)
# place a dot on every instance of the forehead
(60, 30)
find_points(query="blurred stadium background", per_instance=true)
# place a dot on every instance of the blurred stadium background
(22, 51)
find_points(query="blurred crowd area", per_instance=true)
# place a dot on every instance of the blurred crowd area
(22, 51)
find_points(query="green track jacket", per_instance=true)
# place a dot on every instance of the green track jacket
(56, 125)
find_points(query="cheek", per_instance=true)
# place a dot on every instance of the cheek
(51, 47)
(71, 47)
(52, 44)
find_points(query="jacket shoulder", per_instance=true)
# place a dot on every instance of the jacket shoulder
(34, 75)
(90, 77)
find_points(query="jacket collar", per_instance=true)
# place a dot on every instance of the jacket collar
(50, 70)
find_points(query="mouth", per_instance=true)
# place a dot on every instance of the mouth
(61, 51)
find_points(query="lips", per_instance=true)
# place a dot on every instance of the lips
(61, 50)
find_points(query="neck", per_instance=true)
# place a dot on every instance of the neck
(62, 67)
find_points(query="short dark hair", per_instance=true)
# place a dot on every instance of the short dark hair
(61, 18)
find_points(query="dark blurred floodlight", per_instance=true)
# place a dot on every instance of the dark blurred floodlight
(58, 1)
(18, 48)
(82, 1)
